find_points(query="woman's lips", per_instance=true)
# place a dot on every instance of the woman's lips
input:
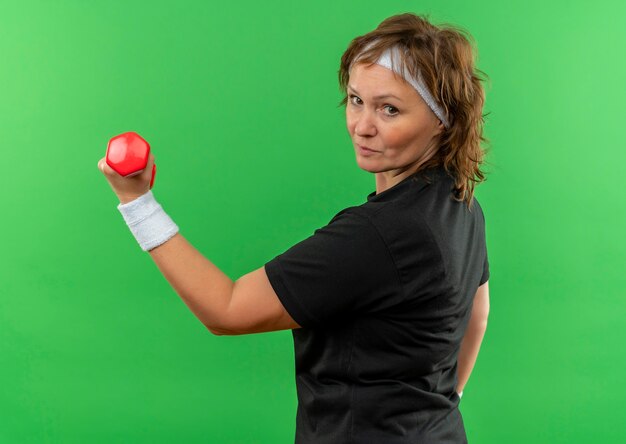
(365, 151)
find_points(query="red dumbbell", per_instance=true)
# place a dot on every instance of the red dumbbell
(128, 155)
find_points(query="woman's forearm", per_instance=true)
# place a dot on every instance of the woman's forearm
(473, 336)
(469, 351)
(204, 288)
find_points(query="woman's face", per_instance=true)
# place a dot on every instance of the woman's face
(386, 115)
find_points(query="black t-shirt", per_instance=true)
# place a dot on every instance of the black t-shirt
(384, 293)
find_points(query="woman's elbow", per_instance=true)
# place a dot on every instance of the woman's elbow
(219, 331)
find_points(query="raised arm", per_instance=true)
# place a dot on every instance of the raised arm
(248, 305)
(473, 336)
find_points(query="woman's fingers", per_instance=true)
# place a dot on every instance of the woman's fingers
(150, 163)
(102, 164)
(130, 187)
(105, 168)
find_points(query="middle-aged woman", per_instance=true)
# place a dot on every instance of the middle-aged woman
(388, 302)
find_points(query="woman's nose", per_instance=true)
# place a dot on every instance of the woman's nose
(365, 125)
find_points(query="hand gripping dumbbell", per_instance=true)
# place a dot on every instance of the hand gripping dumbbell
(128, 155)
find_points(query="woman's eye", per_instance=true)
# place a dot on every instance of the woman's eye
(392, 110)
(355, 99)
(389, 110)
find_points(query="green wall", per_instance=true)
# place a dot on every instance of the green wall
(239, 102)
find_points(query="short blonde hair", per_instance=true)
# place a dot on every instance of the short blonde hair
(445, 57)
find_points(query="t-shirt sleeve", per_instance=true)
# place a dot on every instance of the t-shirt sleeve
(485, 276)
(343, 269)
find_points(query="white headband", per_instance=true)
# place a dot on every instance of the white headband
(385, 60)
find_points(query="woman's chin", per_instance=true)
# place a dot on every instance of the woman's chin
(367, 165)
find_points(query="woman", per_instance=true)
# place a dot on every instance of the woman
(388, 302)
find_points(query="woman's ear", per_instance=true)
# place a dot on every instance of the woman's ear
(440, 127)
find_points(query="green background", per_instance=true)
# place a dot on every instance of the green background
(239, 102)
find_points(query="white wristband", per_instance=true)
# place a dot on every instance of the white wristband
(461, 394)
(146, 219)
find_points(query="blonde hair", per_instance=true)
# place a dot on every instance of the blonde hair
(445, 57)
